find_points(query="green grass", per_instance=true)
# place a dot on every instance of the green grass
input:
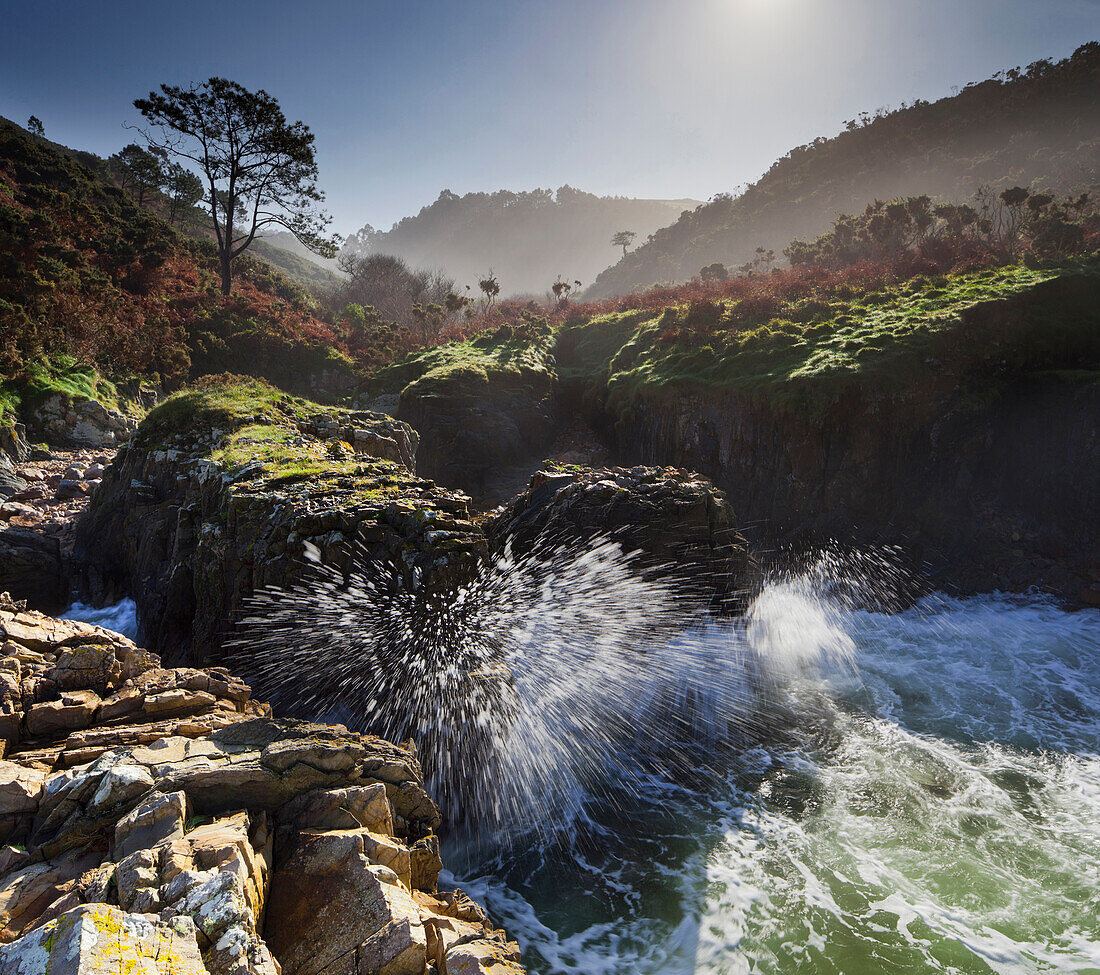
(811, 347)
(58, 375)
(222, 402)
(248, 427)
(511, 357)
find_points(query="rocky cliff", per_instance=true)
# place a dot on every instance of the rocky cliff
(225, 487)
(478, 405)
(159, 820)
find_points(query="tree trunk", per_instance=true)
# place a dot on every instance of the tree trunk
(227, 273)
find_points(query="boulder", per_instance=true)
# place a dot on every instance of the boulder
(194, 535)
(67, 422)
(682, 525)
(96, 938)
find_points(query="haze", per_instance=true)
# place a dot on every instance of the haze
(640, 98)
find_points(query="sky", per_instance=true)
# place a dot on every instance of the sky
(644, 98)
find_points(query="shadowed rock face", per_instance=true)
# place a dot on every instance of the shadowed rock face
(468, 431)
(191, 533)
(684, 527)
(159, 818)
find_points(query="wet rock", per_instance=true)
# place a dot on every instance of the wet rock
(683, 525)
(193, 538)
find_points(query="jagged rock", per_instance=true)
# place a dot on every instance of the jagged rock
(683, 525)
(365, 806)
(95, 938)
(156, 819)
(425, 863)
(348, 810)
(329, 905)
(193, 537)
(135, 874)
(29, 891)
(80, 423)
(256, 764)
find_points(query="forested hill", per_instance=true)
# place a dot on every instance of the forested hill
(1038, 126)
(528, 239)
(91, 280)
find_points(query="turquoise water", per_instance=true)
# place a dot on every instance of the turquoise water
(933, 805)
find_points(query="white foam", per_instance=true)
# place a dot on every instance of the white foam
(122, 617)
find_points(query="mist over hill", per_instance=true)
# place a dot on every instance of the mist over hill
(528, 239)
(1037, 126)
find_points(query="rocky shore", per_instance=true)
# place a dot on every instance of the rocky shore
(160, 820)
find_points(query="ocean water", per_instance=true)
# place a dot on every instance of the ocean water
(930, 804)
(121, 617)
(849, 792)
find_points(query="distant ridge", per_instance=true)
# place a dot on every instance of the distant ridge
(527, 238)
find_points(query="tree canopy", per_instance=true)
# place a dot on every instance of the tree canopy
(259, 170)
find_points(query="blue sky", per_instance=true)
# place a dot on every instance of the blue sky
(653, 98)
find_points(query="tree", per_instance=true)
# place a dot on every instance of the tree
(184, 190)
(259, 170)
(623, 239)
(490, 288)
(389, 285)
(563, 289)
(35, 126)
(142, 170)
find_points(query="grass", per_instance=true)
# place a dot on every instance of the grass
(250, 429)
(222, 402)
(508, 356)
(57, 375)
(812, 345)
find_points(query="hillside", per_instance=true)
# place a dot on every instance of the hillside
(310, 272)
(528, 239)
(1038, 126)
(90, 283)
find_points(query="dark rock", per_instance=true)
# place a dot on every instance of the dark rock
(192, 539)
(682, 524)
(32, 568)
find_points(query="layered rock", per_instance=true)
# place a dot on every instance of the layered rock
(159, 820)
(207, 504)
